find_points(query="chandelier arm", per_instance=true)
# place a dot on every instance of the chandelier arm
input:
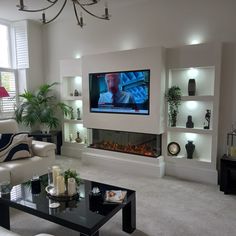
(76, 15)
(57, 13)
(90, 13)
(51, 1)
(42, 9)
(89, 4)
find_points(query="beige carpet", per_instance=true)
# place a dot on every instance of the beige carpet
(165, 207)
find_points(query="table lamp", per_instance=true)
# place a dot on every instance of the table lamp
(3, 92)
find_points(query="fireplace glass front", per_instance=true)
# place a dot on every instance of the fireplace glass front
(148, 145)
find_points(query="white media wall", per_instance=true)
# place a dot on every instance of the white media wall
(145, 58)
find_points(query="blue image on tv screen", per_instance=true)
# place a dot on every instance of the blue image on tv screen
(120, 92)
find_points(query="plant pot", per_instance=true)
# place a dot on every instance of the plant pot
(44, 128)
(189, 123)
(173, 119)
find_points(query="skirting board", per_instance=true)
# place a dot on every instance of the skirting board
(125, 163)
(71, 152)
(196, 174)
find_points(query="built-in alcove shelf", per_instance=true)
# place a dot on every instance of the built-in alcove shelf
(73, 121)
(201, 63)
(189, 161)
(72, 98)
(189, 130)
(74, 143)
(197, 98)
(71, 80)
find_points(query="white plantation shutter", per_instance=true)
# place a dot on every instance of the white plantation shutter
(21, 44)
(8, 80)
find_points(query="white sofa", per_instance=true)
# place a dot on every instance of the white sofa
(19, 171)
(5, 232)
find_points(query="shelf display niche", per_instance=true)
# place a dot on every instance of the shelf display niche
(204, 77)
(69, 85)
(202, 142)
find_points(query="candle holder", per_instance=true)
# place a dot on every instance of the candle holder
(35, 185)
(95, 199)
(64, 187)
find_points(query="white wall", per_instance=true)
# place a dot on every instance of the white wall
(145, 58)
(35, 73)
(167, 23)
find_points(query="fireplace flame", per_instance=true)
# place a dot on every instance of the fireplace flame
(141, 149)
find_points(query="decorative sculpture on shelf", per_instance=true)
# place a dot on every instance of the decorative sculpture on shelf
(76, 93)
(208, 118)
(78, 139)
(78, 114)
(189, 123)
(72, 114)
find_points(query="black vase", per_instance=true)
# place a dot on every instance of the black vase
(191, 87)
(190, 147)
(189, 123)
(173, 118)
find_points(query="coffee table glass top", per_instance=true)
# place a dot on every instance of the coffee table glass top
(82, 214)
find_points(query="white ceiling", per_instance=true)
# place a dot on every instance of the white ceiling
(9, 11)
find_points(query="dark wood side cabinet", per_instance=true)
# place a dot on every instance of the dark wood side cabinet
(228, 174)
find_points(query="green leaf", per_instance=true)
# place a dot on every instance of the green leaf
(40, 107)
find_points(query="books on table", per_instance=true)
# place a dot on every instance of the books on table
(115, 196)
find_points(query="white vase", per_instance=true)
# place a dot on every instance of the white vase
(44, 128)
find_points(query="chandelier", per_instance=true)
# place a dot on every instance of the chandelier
(77, 4)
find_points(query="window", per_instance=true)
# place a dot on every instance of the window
(7, 74)
(4, 46)
(13, 54)
(8, 81)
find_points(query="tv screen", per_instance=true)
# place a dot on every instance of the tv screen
(120, 92)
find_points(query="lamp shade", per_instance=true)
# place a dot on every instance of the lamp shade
(3, 92)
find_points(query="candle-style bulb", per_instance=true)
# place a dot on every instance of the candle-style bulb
(106, 11)
(81, 20)
(43, 18)
(21, 5)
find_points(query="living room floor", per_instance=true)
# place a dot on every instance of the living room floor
(165, 207)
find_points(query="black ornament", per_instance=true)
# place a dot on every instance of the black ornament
(190, 147)
(189, 123)
(208, 119)
(191, 87)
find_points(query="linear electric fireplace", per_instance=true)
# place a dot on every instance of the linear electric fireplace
(148, 145)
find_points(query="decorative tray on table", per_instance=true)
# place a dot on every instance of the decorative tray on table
(51, 193)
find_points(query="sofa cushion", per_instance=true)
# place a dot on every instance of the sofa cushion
(15, 146)
(4, 174)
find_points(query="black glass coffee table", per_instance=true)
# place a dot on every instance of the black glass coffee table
(82, 214)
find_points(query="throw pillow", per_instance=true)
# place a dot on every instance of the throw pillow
(15, 146)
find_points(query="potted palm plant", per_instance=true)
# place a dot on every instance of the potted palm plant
(41, 108)
(173, 97)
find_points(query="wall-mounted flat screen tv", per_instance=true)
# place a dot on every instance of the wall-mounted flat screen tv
(120, 92)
